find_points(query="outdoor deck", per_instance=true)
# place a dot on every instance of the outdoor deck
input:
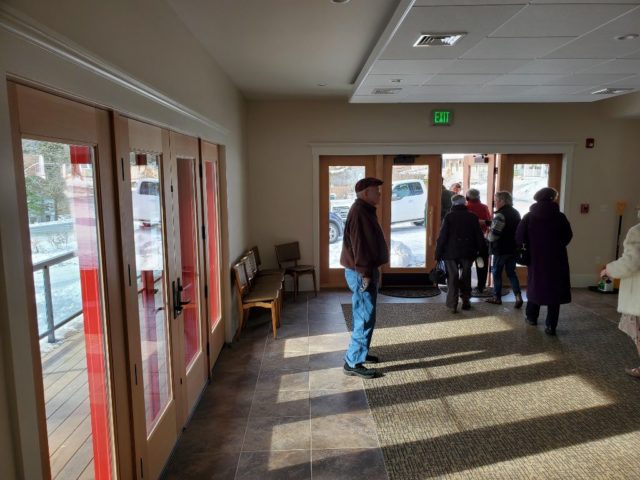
(67, 407)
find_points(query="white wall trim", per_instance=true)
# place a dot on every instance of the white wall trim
(31, 31)
(319, 149)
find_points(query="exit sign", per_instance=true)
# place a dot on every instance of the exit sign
(441, 117)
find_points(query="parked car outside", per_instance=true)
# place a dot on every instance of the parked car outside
(146, 204)
(336, 227)
(408, 201)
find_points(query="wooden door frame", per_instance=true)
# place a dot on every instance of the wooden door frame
(216, 335)
(189, 388)
(153, 449)
(37, 114)
(434, 162)
(334, 277)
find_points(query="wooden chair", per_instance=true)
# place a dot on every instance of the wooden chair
(263, 296)
(290, 253)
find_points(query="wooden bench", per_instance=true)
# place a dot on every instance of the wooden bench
(257, 290)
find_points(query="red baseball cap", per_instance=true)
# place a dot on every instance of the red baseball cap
(367, 182)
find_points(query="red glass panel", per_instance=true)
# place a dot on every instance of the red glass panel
(189, 257)
(211, 193)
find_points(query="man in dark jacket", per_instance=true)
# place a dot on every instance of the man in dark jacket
(502, 243)
(546, 232)
(459, 243)
(364, 250)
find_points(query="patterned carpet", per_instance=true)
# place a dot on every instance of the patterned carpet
(482, 395)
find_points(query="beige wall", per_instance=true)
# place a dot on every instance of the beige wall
(136, 58)
(281, 163)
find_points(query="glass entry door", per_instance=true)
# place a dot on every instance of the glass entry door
(411, 211)
(338, 176)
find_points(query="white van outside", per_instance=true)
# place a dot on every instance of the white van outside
(408, 201)
(146, 204)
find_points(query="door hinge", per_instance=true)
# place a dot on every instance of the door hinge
(135, 373)
(206, 291)
(495, 170)
(141, 468)
(204, 233)
(122, 165)
(180, 380)
(207, 348)
(200, 169)
(129, 272)
(171, 188)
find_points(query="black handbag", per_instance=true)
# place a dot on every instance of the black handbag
(437, 275)
(523, 256)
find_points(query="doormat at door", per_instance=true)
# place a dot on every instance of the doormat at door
(410, 292)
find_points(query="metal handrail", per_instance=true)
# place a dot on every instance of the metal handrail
(45, 266)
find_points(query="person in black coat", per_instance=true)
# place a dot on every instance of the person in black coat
(459, 243)
(546, 232)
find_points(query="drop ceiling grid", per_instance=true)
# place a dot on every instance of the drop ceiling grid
(531, 51)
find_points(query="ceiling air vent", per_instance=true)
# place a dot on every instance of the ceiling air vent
(386, 91)
(438, 39)
(611, 91)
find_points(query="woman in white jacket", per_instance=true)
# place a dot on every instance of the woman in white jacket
(627, 269)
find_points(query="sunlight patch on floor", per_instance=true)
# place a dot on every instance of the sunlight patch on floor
(525, 401)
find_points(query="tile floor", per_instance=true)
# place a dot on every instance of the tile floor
(282, 408)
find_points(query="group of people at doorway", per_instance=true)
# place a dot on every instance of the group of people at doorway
(469, 233)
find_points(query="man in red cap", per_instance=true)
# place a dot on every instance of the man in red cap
(364, 250)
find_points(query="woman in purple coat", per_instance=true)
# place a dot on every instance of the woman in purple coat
(546, 232)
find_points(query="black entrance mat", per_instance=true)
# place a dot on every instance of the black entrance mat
(410, 292)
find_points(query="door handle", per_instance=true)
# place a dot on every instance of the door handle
(178, 303)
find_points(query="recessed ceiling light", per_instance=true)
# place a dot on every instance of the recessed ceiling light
(628, 36)
(322, 84)
(396, 80)
(339, 1)
(386, 91)
(438, 39)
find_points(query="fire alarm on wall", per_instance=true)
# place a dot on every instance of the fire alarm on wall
(590, 143)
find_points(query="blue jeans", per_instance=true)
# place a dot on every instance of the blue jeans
(508, 263)
(364, 316)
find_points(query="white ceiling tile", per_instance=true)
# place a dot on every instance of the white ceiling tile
(505, 89)
(595, 79)
(629, 82)
(409, 67)
(513, 79)
(628, 66)
(395, 80)
(456, 89)
(514, 48)
(627, 2)
(556, 89)
(559, 20)
(557, 66)
(601, 43)
(476, 21)
(460, 79)
(483, 66)
(427, 3)
(634, 55)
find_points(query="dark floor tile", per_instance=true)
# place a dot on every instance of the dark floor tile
(367, 463)
(332, 402)
(294, 465)
(204, 433)
(291, 361)
(281, 380)
(213, 465)
(324, 360)
(280, 404)
(347, 430)
(277, 433)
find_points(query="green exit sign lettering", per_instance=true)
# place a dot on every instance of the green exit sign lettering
(441, 118)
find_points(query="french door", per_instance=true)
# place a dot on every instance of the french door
(68, 215)
(338, 176)
(161, 210)
(410, 210)
(479, 172)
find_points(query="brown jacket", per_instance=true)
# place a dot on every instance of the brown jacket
(363, 245)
